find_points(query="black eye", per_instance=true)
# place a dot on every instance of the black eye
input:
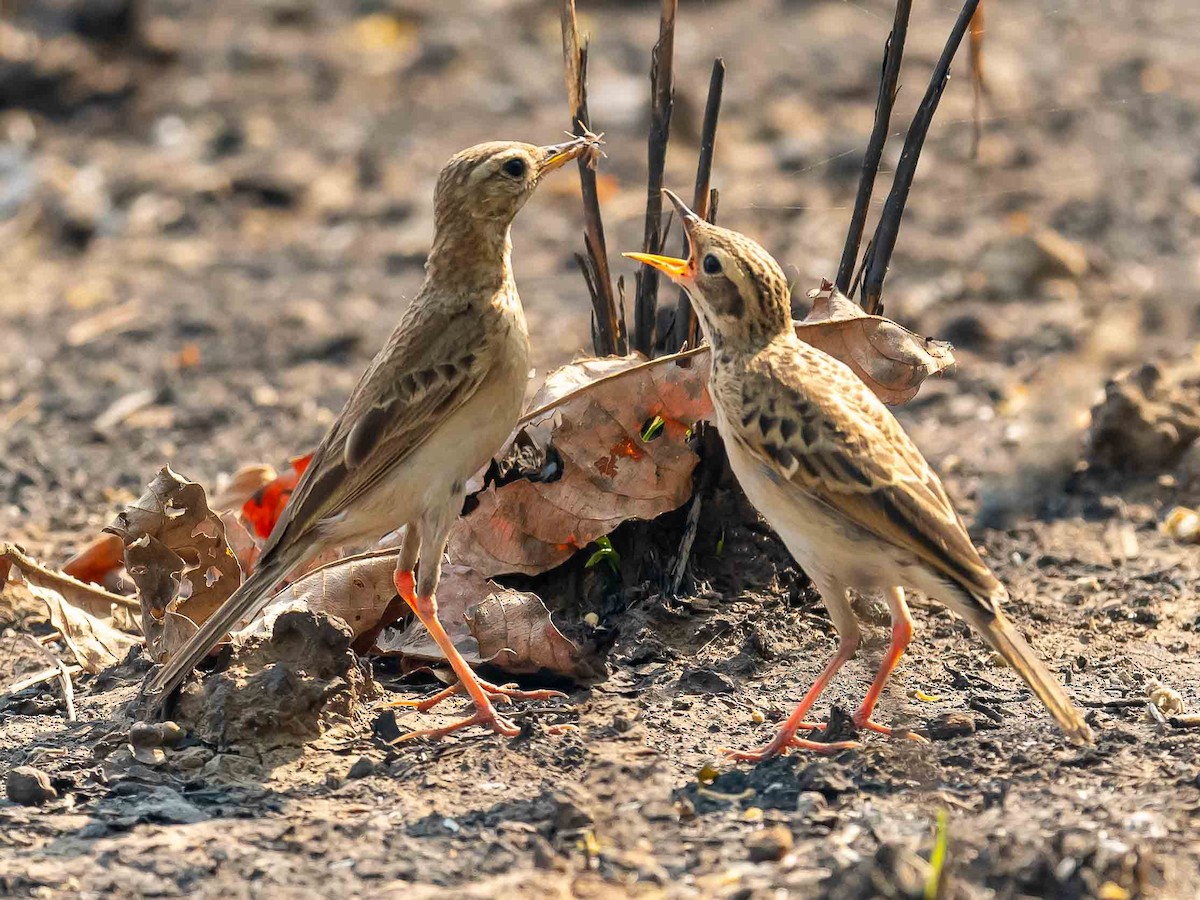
(514, 167)
(712, 265)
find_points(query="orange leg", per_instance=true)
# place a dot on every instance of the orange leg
(485, 714)
(785, 739)
(901, 636)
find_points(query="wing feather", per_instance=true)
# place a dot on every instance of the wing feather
(844, 448)
(433, 363)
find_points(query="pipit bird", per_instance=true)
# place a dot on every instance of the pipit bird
(435, 403)
(832, 471)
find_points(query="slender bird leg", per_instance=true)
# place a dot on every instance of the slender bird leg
(406, 588)
(785, 739)
(901, 635)
(433, 530)
(485, 713)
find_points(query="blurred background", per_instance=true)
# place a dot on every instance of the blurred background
(212, 214)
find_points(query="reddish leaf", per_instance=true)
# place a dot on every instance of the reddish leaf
(263, 510)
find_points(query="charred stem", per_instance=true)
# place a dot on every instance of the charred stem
(884, 241)
(662, 91)
(608, 327)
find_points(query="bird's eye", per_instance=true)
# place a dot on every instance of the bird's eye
(712, 265)
(514, 167)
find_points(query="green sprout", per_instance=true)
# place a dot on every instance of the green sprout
(937, 860)
(721, 543)
(653, 429)
(604, 553)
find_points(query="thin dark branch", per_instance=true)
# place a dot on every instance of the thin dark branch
(888, 229)
(662, 92)
(685, 329)
(893, 53)
(609, 328)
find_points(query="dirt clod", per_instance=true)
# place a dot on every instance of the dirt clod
(1148, 419)
(284, 689)
(29, 786)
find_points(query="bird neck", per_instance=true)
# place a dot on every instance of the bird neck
(743, 336)
(472, 257)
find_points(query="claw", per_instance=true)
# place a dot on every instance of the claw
(487, 717)
(504, 693)
(899, 733)
(783, 742)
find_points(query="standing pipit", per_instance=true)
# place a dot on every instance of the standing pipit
(435, 403)
(833, 472)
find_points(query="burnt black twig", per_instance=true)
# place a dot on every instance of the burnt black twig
(608, 330)
(685, 328)
(893, 54)
(884, 241)
(662, 92)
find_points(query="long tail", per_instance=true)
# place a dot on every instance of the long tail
(1006, 641)
(246, 602)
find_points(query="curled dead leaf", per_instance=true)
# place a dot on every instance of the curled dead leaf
(509, 629)
(98, 560)
(585, 463)
(87, 616)
(891, 360)
(233, 491)
(176, 554)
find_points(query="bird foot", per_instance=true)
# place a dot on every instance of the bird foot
(786, 740)
(898, 733)
(504, 693)
(486, 716)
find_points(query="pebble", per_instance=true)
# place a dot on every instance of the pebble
(362, 768)
(769, 844)
(29, 786)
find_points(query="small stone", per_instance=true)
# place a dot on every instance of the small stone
(950, 725)
(622, 723)
(29, 786)
(191, 758)
(705, 681)
(363, 767)
(770, 844)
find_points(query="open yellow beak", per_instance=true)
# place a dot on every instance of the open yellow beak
(674, 268)
(558, 155)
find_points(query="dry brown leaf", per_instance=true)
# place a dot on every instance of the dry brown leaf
(891, 360)
(95, 644)
(591, 468)
(177, 555)
(84, 614)
(357, 589)
(98, 561)
(91, 598)
(509, 629)
(247, 481)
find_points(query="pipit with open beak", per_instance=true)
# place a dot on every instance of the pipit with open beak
(832, 471)
(435, 403)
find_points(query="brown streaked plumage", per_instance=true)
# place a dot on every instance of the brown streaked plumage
(830, 468)
(434, 404)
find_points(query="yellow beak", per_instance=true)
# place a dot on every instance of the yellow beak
(674, 268)
(558, 155)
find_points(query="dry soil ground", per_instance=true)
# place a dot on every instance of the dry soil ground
(241, 201)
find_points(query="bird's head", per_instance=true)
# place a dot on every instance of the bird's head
(492, 181)
(740, 294)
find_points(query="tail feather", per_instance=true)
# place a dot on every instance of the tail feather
(1005, 640)
(246, 602)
